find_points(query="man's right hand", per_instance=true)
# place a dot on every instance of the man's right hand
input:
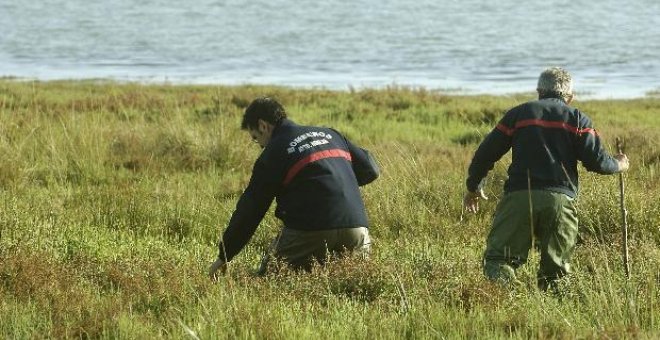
(218, 266)
(471, 200)
(623, 162)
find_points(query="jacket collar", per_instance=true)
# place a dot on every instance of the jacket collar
(285, 123)
(554, 99)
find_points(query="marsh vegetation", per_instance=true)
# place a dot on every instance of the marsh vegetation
(113, 196)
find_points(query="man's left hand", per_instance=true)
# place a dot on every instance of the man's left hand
(471, 200)
(219, 265)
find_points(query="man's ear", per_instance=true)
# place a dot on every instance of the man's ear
(261, 125)
(264, 126)
(569, 99)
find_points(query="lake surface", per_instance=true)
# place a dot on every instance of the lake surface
(611, 47)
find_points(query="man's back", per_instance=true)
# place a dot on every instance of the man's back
(544, 137)
(313, 170)
(548, 138)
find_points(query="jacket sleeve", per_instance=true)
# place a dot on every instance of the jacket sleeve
(493, 147)
(591, 152)
(250, 210)
(364, 165)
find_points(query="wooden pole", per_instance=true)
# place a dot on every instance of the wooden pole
(624, 215)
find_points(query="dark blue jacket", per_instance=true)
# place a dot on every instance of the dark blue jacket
(314, 173)
(548, 138)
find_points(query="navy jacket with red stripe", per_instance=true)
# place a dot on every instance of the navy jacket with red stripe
(548, 138)
(314, 173)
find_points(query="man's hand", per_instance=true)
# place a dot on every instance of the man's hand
(219, 264)
(623, 162)
(471, 200)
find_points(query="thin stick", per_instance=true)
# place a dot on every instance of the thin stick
(624, 215)
(531, 208)
(268, 254)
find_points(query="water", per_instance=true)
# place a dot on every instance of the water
(465, 46)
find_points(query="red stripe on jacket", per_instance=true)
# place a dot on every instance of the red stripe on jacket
(332, 153)
(544, 123)
(505, 130)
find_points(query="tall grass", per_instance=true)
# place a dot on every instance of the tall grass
(112, 197)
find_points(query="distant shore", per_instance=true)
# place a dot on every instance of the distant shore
(461, 88)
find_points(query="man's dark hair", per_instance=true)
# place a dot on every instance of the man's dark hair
(265, 108)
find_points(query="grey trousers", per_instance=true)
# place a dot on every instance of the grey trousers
(301, 248)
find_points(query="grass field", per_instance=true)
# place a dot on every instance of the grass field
(113, 196)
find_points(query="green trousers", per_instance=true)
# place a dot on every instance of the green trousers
(552, 227)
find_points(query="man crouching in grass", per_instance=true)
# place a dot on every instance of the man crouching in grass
(315, 174)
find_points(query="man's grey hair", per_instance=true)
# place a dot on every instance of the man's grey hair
(555, 81)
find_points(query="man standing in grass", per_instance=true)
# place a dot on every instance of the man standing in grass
(314, 174)
(548, 138)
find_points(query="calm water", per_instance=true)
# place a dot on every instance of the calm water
(471, 46)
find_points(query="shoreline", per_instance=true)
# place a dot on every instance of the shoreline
(503, 91)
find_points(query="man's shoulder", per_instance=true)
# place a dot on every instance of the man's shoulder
(299, 138)
(544, 105)
(293, 131)
(541, 103)
(525, 107)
